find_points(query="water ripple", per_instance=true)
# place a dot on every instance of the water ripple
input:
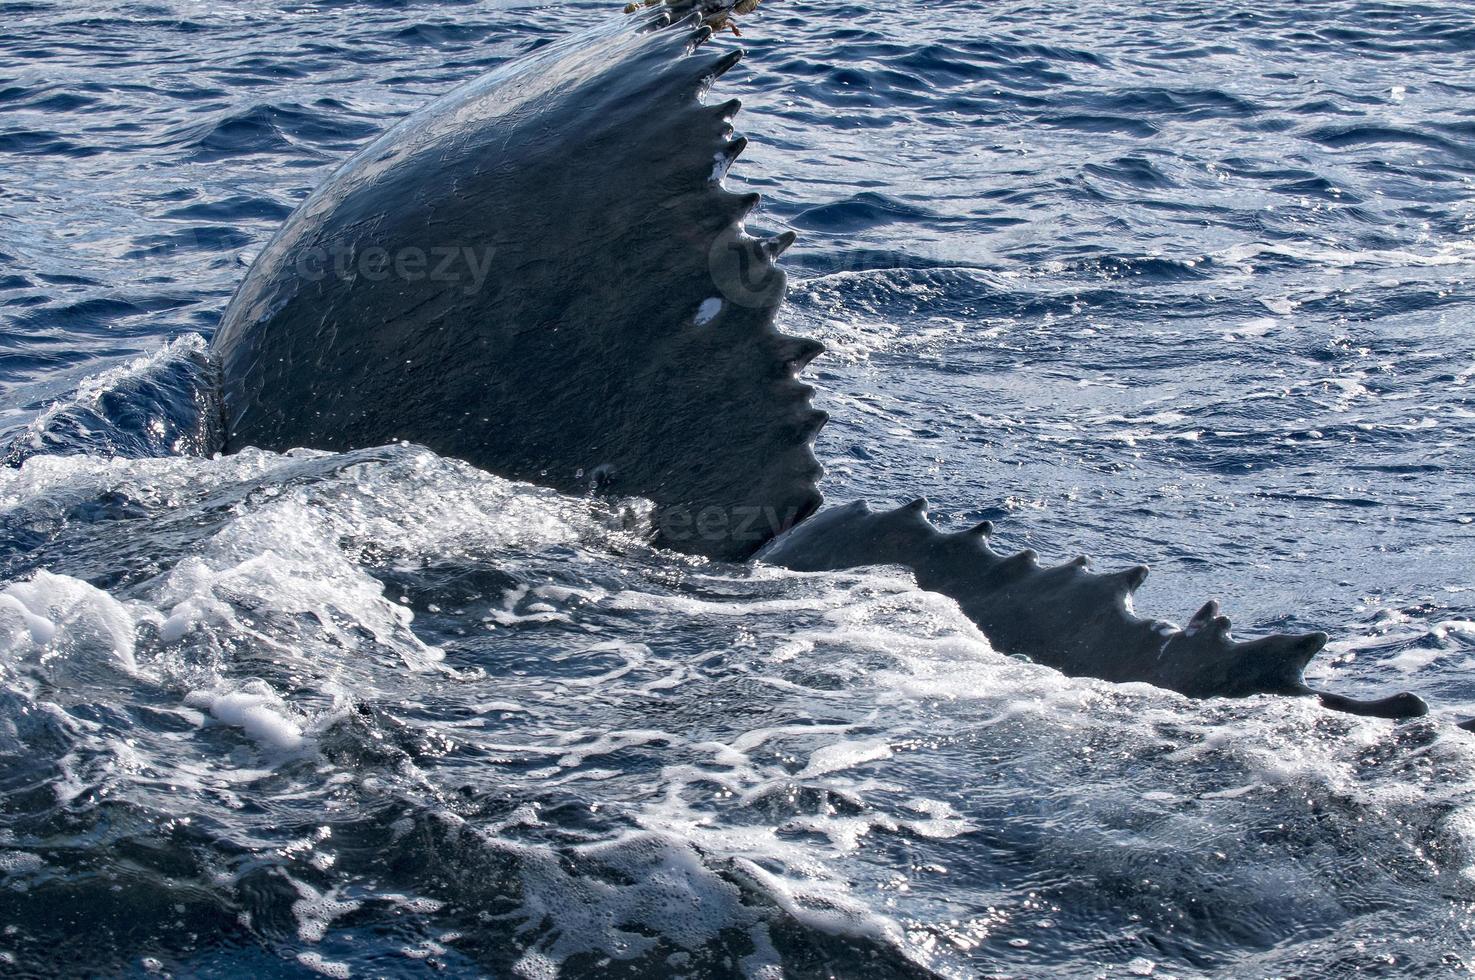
(1185, 282)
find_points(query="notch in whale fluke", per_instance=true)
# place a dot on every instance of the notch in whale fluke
(697, 421)
(1065, 616)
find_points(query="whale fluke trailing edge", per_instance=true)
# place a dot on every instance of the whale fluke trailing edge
(1066, 616)
(542, 273)
(604, 323)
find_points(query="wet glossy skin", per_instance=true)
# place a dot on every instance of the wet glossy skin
(541, 274)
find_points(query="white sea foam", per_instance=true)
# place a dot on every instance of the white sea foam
(1458, 252)
(318, 963)
(315, 910)
(743, 744)
(58, 622)
(257, 710)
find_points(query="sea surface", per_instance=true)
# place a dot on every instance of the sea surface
(1180, 282)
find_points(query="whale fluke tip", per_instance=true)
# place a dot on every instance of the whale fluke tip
(798, 352)
(1029, 558)
(1206, 615)
(1294, 650)
(727, 156)
(745, 203)
(723, 65)
(1398, 706)
(780, 244)
(813, 421)
(1132, 578)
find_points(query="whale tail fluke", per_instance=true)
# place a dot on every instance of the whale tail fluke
(646, 297)
(1403, 705)
(1067, 616)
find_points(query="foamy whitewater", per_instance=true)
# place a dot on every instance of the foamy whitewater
(1187, 284)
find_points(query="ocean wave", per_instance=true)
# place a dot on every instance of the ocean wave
(631, 780)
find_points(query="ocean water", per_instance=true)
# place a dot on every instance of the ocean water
(1185, 283)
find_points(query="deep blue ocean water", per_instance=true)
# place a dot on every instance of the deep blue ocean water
(1184, 283)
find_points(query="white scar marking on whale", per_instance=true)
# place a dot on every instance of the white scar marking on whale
(708, 311)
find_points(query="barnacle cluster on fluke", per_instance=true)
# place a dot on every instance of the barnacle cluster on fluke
(603, 322)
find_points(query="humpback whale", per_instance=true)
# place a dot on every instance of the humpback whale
(542, 273)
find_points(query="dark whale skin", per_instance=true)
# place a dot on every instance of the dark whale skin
(621, 335)
(1066, 616)
(622, 340)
